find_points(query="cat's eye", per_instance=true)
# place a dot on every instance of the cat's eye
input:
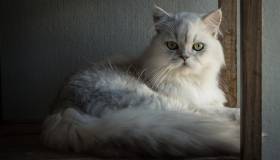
(198, 46)
(172, 45)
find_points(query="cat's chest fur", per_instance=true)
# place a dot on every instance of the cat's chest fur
(194, 94)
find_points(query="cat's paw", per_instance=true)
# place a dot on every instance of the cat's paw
(58, 129)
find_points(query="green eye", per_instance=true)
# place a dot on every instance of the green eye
(172, 45)
(198, 46)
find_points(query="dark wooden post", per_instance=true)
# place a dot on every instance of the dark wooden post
(251, 53)
(228, 40)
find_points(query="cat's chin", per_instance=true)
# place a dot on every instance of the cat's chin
(185, 64)
(184, 69)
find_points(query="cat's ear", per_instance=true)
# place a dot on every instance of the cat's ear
(159, 14)
(213, 21)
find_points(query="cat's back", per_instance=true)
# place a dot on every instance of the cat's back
(101, 81)
(106, 76)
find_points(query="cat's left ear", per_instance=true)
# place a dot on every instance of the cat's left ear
(213, 21)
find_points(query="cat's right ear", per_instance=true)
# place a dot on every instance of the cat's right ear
(159, 16)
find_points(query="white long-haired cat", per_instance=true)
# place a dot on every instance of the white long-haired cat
(165, 103)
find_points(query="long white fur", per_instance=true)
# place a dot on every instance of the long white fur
(148, 131)
(178, 111)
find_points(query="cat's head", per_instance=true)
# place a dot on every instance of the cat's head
(185, 43)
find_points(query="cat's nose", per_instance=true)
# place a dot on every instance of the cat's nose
(184, 57)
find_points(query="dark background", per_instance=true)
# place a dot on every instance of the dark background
(46, 40)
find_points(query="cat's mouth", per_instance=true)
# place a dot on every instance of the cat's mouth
(185, 63)
(181, 62)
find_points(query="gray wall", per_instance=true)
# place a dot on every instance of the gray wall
(271, 79)
(45, 41)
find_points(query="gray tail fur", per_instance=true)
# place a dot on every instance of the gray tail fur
(142, 132)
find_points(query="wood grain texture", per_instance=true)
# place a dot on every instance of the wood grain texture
(228, 40)
(251, 51)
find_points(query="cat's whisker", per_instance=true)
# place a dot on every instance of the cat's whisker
(128, 68)
(166, 74)
(155, 76)
(196, 58)
(160, 78)
(161, 75)
(141, 73)
(109, 63)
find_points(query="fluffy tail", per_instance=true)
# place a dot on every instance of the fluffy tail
(142, 132)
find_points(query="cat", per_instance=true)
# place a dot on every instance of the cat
(166, 102)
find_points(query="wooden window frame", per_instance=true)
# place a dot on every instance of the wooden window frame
(251, 71)
(228, 39)
(251, 67)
